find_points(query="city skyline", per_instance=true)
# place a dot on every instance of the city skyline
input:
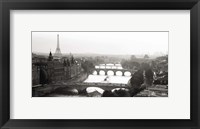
(115, 74)
(102, 43)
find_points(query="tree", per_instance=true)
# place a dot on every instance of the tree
(88, 66)
(122, 93)
(137, 79)
(72, 60)
(149, 77)
(146, 56)
(135, 64)
(133, 57)
(65, 63)
(108, 93)
(136, 82)
(153, 64)
(68, 62)
(144, 66)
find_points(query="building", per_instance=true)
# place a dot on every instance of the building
(56, 70)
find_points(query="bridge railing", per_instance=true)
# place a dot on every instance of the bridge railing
(92, 84)
(108, 68)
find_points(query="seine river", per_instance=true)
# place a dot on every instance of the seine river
(101, 78)
(110, 77)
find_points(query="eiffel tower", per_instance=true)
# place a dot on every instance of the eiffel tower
(58, 52)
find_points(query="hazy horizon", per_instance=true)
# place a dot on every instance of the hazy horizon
(102, 43)
(160, 54)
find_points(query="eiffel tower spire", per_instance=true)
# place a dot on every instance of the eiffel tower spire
(58, 46)
(58, 51)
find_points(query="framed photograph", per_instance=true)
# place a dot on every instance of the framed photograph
(99, 64)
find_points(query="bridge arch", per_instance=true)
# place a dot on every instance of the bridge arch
(127, 73)
(120, 73)
(102, 72)
(94, 72)
(110, 72)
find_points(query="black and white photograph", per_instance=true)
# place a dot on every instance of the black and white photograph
(76, 64)
(100, 63)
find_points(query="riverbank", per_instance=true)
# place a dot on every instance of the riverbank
(80, 78)
(40, 90)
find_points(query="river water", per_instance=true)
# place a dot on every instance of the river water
(101, 78)
(110, 77)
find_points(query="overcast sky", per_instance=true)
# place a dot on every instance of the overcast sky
(120, 43)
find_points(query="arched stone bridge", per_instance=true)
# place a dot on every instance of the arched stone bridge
(113, 70)
(40, 91)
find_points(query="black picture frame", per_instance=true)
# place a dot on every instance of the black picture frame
(7, 5)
